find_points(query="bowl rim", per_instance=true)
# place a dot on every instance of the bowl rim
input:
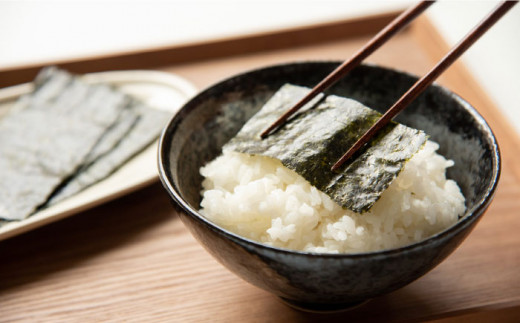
(470, 215)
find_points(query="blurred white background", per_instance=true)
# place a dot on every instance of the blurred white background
(45, 31)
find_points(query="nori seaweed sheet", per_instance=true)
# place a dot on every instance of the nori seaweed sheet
(47, 136)
(317, 136)
(65, 136)
(143, 132)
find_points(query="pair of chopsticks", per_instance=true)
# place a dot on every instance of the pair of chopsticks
(376, 42)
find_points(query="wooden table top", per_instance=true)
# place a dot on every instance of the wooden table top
(133, 260)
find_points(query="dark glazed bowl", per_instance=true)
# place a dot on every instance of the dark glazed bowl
(326, 281)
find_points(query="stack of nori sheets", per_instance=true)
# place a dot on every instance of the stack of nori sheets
(65, 136)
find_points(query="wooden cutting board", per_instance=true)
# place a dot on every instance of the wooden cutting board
(133, 260)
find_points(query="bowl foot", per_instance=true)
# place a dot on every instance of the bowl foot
(322, 308)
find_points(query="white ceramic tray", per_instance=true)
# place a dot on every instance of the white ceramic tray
(159, 90)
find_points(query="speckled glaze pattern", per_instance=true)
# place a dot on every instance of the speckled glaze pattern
(323, 281)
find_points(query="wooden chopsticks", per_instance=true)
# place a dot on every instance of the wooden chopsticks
(391, 29)
(428, 79)
(415, 90)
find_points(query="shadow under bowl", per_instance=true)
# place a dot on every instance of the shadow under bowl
(315, 281)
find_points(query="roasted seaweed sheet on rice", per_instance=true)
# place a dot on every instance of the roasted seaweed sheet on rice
(61, 130)
(319, 134)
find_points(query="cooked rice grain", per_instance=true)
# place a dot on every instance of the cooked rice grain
(258, 198)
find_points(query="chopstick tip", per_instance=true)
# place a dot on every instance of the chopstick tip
(346, 156)
(265, 133)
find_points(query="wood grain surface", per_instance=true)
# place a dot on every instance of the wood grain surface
(133, 260)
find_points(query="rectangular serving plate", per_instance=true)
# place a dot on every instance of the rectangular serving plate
(159, 90)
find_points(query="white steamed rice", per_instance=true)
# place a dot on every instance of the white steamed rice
(258, 198)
